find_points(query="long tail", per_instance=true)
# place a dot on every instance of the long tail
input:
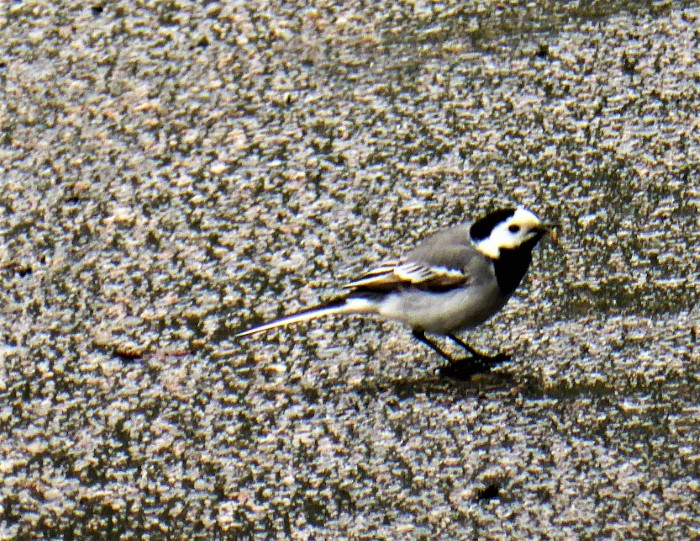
(339, 306)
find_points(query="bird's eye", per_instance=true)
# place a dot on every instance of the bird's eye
(514, 228)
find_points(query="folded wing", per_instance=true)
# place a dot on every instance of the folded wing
(394, 275)
(439, 263)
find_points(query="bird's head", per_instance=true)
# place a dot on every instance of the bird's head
(507, 229)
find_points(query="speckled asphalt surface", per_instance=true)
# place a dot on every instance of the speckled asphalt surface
(172, 173)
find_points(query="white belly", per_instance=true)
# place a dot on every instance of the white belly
(443, 312)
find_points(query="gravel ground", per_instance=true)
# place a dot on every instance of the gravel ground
(173, 172)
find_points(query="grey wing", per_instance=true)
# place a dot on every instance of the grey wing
(451, 249)
(440, 262)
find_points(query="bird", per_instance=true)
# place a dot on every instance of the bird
(452, 281)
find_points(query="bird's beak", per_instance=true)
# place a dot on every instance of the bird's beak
(542, 229)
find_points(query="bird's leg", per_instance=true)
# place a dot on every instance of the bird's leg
(493, 359)
(420, 336)
(461, 369)
(478, 363)
(474, 353)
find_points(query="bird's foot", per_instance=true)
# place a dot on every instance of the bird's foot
(465, 369)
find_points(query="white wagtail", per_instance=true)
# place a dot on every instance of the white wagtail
(454, 280)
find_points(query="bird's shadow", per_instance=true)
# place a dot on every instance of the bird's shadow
(434, 384)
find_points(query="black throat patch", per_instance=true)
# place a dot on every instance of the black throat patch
(512, 265)
(510, 269)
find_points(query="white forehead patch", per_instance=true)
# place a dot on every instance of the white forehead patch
(525, 218)
(509, 234)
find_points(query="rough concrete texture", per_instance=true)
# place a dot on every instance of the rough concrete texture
(175, 171)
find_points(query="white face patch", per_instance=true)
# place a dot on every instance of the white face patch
(509, 234)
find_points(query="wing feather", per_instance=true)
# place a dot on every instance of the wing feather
(414, 273)
(439, 263)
